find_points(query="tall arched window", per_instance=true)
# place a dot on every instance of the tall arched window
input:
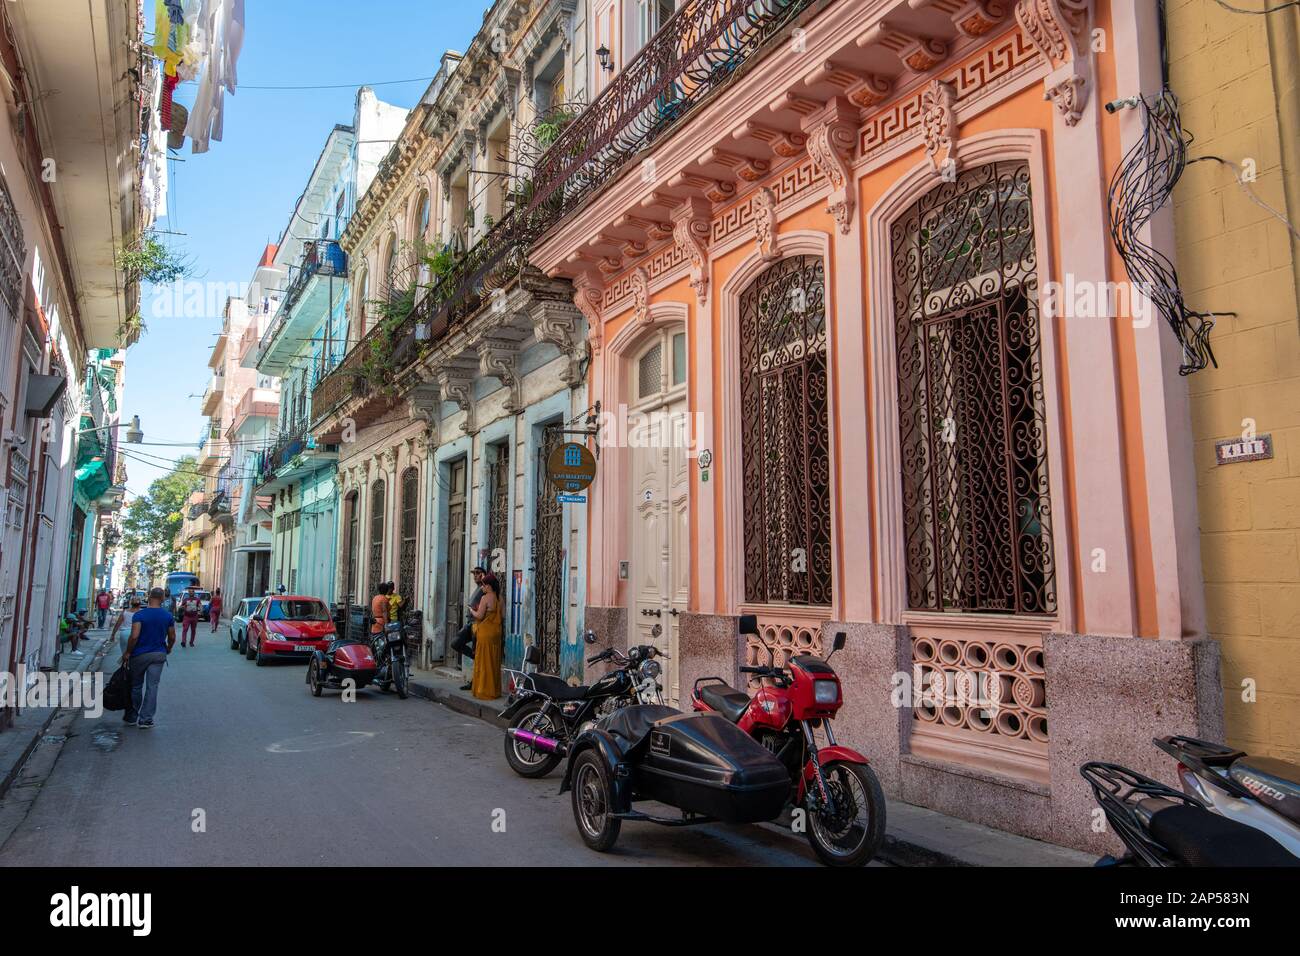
(353, 543)
(376, 569)
(363, 304)
(420, 222)
(390, 266)
(972, 417)
(784, 436)
(410, 534)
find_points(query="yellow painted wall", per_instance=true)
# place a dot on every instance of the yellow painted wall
(1233, 256)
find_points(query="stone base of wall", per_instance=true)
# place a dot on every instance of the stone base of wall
(869, 721)
(610, 627)
(1107, 697)
(708, 645)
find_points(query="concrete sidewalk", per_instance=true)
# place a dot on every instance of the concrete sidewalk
(914, 836)
(18, 741)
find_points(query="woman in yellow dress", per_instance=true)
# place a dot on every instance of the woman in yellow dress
(488, 639)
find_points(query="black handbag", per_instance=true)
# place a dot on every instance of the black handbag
(117, 693)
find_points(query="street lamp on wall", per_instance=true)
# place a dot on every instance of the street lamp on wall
(602, 54)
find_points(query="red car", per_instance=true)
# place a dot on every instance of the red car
(288, 626)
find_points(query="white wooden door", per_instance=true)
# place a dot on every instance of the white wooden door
(660, 538)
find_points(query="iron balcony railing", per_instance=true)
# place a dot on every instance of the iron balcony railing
(320, 257)
(701, 48)
(291, 443)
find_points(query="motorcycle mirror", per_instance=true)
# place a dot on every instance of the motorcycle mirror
(590, 637)
(836, 645)
(749, 624)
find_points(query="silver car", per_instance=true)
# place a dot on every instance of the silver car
(239, 623)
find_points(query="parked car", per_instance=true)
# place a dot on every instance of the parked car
(288, 626)
(244, 611)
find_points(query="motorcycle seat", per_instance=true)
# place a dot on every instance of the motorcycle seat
(1275, 783)
(725, 699)
(557, 688)
(1196, 837)
(631, 724)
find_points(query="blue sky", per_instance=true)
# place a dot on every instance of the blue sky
(234, 199)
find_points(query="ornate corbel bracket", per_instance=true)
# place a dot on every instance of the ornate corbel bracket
(1057, 29)
(830, 147)
(765, 223)
(458, 387)
(691, 224)
(496, 359)
(557, 323)
(423, 403)
(939, 125)
(587, 297)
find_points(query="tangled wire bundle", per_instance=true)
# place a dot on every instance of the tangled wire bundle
(1141, 185)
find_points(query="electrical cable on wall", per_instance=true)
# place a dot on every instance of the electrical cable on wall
(1141, 186)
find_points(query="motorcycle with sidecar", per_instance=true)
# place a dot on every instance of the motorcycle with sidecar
(720, 763)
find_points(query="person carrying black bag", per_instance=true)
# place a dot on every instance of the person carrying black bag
(464, 642)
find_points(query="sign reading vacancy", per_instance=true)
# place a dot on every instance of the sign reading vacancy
(571, 468)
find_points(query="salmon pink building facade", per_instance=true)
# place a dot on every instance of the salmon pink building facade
(844, 302)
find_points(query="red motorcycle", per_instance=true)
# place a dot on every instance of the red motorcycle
(843, 807)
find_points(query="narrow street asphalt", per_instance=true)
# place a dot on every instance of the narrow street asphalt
(283, 778)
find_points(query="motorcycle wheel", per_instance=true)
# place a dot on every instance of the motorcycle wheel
(597, 825)
(399, 678)
(853, 835)
(523, 759)
(313, 679)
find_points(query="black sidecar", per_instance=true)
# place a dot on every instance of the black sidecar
(703, 764)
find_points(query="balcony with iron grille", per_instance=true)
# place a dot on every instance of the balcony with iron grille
(699, 50)
(318, 285)
(294, 455)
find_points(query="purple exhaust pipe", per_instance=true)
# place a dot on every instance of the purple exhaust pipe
(545, 744)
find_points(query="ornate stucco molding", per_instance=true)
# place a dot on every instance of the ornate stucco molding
(557, 323)
(765, 223)
(691, 226)
(939, 126)
(831, 135)
(423, 404)
(640, 295)
(587, 296)
(497, 359)
(1057, 29)
(457, 386)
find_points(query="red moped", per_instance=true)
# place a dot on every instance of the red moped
(843, 807)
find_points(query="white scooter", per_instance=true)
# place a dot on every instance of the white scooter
(1261, 792)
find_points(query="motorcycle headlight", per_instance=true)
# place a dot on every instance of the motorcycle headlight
(826, 691)
(651, 669)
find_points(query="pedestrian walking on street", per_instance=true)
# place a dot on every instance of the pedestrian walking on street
(486, 684)
(191, 606)
(153, 635)
(102, 602)
(464, 642)
(122, 626)
(214, 609)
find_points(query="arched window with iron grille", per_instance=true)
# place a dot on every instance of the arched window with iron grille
(376, 536)
(972, 418)
(785, 439)
(353, 542)
(410, 533)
